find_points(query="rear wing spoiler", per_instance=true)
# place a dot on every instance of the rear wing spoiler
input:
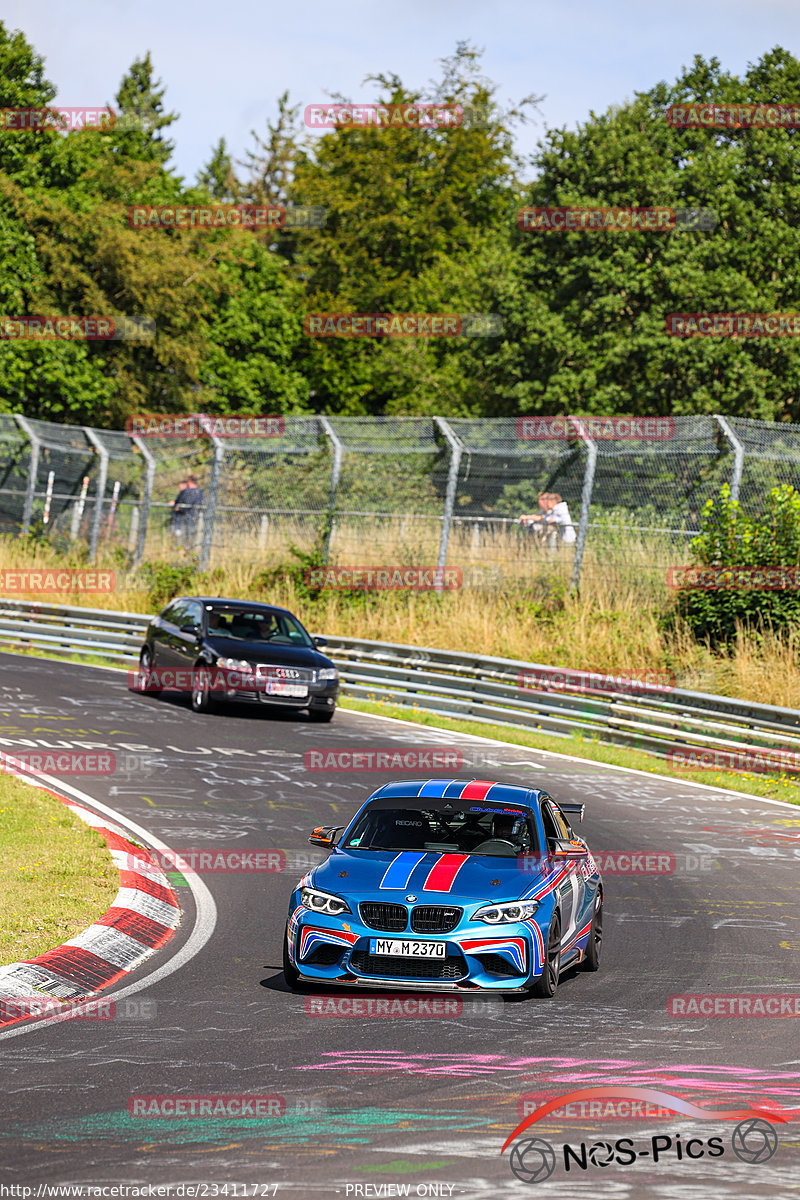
(573, 810)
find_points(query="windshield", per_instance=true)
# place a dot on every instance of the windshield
(491, 831)
(255, 625)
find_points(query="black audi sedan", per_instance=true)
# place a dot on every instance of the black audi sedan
(215, 649)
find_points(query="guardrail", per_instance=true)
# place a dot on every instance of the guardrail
(474, 686)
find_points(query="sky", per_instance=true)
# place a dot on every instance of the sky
(225, 63)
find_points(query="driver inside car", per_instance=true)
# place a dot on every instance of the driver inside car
(508, 828)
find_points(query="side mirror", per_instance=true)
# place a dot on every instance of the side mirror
(325, 836)
(195, 629)
(320, 641)
(567, 850)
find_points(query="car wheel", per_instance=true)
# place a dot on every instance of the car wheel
(290, 973)
(594, 946)
(321, 714)
(545, 984)
(144, 674)
(201, 689)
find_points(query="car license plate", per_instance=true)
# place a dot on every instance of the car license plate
(407, 949)
(279, 687)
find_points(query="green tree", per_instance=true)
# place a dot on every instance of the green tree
(415, 218)
(605, 348)
(140, 105)
(218, 177)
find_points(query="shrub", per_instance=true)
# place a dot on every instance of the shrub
(729, 539)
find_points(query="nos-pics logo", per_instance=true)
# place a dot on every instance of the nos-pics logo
(753, 1140)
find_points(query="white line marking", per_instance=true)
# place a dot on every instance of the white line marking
(587, 762)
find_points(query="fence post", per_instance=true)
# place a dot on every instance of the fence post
(147, 496)
(101, 490)
(738, 455)
(456, 450)
(336, 471)
(586, 500)
(33, 471)
(212, 496)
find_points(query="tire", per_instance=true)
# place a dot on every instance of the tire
(321, 714)
(202, 701)
(591, 960)
(144, 673)
(544, 986)
(290, 973)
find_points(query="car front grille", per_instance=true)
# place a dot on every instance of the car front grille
(392, 918)
(388, 966)
(434, 918)
(288, 674)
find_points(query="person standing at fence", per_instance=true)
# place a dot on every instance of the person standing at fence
(186, 508)
(558, 517)
(553, 517)
(535, 522)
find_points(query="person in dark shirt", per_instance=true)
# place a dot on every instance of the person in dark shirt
(186, 508)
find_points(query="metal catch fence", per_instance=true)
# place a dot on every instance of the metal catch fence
(397, 490)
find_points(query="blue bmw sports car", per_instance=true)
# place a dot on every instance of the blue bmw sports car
(448, 883)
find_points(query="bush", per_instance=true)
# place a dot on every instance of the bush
(164, 581)
(728, 540)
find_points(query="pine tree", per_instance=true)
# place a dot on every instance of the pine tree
(218, 176)
(141, 114)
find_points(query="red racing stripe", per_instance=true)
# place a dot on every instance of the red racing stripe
(443, 873)
(477, 789)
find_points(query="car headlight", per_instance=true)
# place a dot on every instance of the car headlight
(324, 902)
(504, 914)
(234, 664)
(327, 673)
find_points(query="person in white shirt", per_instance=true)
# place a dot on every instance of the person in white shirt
(553, 511)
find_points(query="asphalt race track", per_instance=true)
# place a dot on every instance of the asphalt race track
(382, 1106)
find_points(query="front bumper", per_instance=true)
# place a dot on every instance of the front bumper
(319, 695)
(337, 950)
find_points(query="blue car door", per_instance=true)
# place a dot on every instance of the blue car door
(572, 895)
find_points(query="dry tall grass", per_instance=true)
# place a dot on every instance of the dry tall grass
(614, 624)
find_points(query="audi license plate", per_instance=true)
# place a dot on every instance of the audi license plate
(408, 949)
(280, 687)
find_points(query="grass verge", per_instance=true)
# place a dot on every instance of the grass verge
(775, 788)
(56, 874)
